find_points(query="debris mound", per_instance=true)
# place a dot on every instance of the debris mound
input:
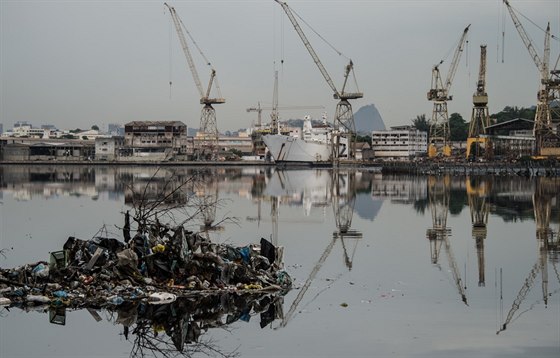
(158, 265)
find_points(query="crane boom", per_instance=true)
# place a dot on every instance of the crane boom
(481, 85)
(310, 49)
(177, 22)
(455, 61)
(525, 37)
(439, 90)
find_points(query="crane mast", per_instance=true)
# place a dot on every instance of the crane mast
(480, 118)
(208, 132)
(439, 93)
(547, 140)
(344, 117)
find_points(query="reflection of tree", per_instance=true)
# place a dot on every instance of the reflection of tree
(168, 197)
(421, 205)
(457, 201)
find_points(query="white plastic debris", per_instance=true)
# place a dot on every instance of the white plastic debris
(38, 299)
(160, 298)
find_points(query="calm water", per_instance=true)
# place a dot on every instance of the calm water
(383, 266)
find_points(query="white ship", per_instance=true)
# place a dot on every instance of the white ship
(313, 146)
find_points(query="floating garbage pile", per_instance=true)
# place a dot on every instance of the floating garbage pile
(156, 266)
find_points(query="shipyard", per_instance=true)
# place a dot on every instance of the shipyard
(279, 179)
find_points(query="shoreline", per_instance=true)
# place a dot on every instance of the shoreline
(529, 168)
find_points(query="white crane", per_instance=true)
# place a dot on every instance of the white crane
(344, 117)
(439, 93)
(547, 141)
(208, 127)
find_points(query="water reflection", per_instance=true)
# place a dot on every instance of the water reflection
(449, 208)
(545, 197)
(439, 194)
(180, 328)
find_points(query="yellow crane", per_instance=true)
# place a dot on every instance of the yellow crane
(344, 117)
(440, 135)
(480, 118)
(547, 140)
(208, 131)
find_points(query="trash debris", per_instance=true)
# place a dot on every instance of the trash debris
(159, 298)
(158, 265)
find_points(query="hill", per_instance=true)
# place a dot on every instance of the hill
(368, 119)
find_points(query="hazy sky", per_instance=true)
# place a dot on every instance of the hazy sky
(79, 63)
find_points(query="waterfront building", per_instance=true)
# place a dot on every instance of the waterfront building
(155, 140)
(400, 142)
(38, 149)
(109, 148)
(511, 139)
(23, 129)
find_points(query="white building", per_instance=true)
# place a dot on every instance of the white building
(108, 148)
(401, 142)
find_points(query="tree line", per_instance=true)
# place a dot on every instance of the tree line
(459, 128)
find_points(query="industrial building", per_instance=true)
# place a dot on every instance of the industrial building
(158, 140)
(400, 142)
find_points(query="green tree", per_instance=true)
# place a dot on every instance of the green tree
(95, 127)
(459, 129)
(421, 123)
(509, 113)
(363, 138)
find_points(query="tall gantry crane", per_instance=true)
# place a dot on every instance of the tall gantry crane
(208, 131)
(547, 140)
(344, 117)
(440, 135)
(480, 118)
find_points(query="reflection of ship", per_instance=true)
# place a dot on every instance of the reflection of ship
(343, 195)
(315, 145)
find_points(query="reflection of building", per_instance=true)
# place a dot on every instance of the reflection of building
(400, 142)
(399, 189)
(156, 139)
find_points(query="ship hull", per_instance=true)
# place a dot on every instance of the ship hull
(290, 150)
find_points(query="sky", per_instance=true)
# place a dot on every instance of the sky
(75, 64)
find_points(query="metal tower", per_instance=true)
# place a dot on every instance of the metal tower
(440, 135)
(480, 118)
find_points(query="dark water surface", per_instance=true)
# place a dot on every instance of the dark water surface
(382, 266)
